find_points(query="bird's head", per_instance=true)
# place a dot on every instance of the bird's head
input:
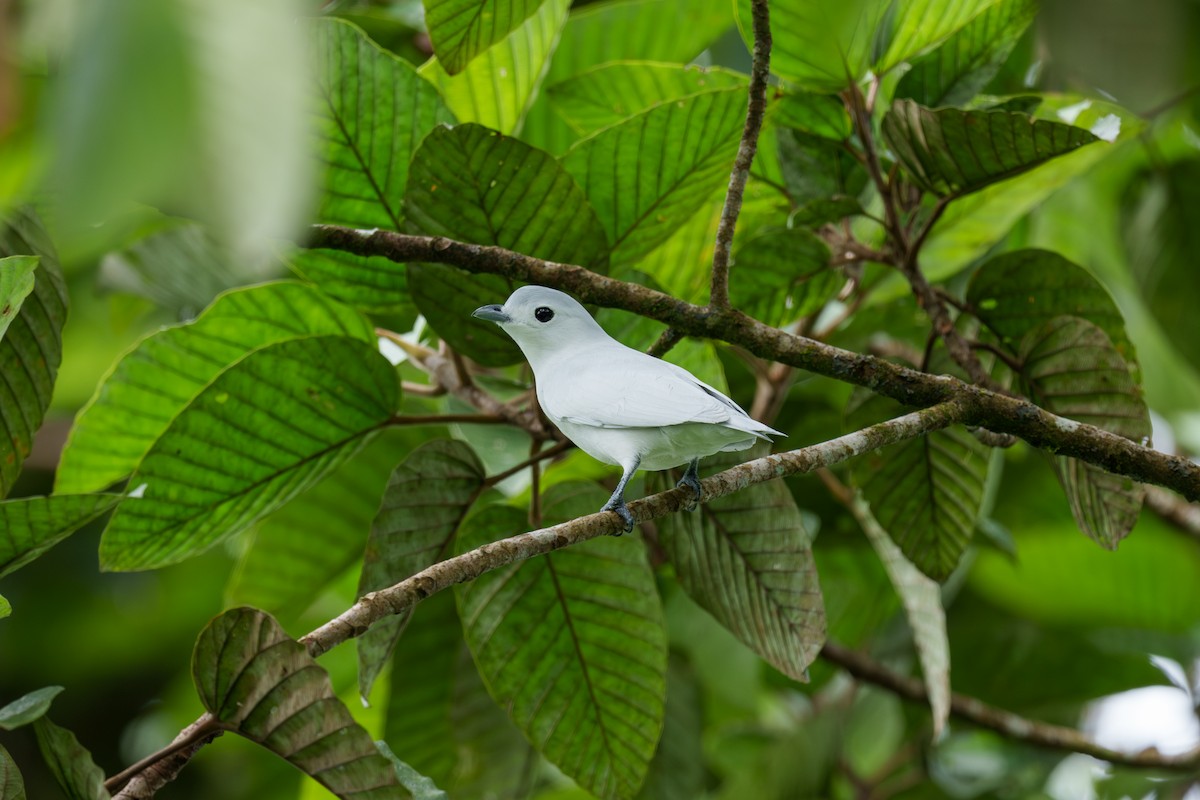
(542, 321)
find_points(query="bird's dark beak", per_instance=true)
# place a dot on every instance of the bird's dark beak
(493, 313)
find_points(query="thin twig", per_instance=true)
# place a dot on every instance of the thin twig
(756, 109)
(447, 419)
(999, 353)
(549, 452)
(1174, 509)
(422, 390)
(669, 338)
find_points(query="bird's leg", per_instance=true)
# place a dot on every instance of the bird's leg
(616, 503)
(691, 479)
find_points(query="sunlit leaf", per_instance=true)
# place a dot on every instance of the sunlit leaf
(651, 173)
(953, 152)
(32, 525)
(373, 284)
(956, 71)
(264, 686)
(426, 499)
(1071, 368)
(153, 382)
(12, 787)
(5, 607)
(473, 184)
(28, 708)
(70, 762)
(615, 91)
(497, 88)
(783, 275)
(374, 110)
(264, 430)
(572, 644)
(747, 560)
(462, 29)
(16, 283)
(922, 24)
(31, 349)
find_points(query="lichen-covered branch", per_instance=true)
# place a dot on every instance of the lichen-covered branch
(718, 296)
(984, 408)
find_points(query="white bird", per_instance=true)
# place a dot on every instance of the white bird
(619, 405)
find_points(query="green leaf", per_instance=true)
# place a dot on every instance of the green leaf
(299, 549)
(816, 169)
(264, 686)
(462, 29)
(922, 600)
(648, 175)
(923, 24)
(426, 499)
(616, 91)
(32, 525)
(372, 284)
(820, 45)
(70, 762)
(957, 70)
(374, 110)
(1018, 291)
(572, 644)
(677, 771)
(264, 430)
(12, 787)
(498, 87)
(952, 152)
(747, 560)
(815, 213)
(783, 275)
(420, 786)
(1071, 368)
(31, 349)
(26, 709)
(473, 184)
(926, 492)
(5, 607)
(821, 115)
(153, 382)
(16, 283)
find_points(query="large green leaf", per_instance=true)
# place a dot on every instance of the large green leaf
(1018, 291)
(305, 545)
(374, 110)
(462, 29)
(425, 501)
(747, 560)
(262, 685)
(572, 644)
(70, 762)
(926, 492)
(27, 708)
(1071, 368)
(16, 283)
(648, 175)
(821, 115)
(955, 72)
(473, 184)
(922, 24)
(677, 771)
(12, 787)
(32, 525)
(153, 382)
(498, 87)
(264, 430)
(952, 152)
(783, 275)
(31, 349)
(373, 284)
(816, 169)
(615, 91)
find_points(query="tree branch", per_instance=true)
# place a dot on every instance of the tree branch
(718, 297)
(985, 408)
(1003, 722)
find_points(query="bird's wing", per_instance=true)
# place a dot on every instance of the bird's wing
(629, 389)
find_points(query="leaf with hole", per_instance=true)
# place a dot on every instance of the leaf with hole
(163, 372)
(649, 174)
(264, 430)
(31, 349)
(473, 184)
(263, 685)
(32, 525)
(747, 559)
(425, 501)
(1071, 368)
(28, 708)
(957, 70)
(70, 762)
(783, 275)
(462, 29)
(497, 88)
(16, 283)
(572, 644)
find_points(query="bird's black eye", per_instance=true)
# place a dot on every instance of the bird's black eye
(543, 314)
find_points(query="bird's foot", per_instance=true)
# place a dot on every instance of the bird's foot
(618, 507)
(691, 480)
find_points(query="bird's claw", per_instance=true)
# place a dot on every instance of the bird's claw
(691, 481)
(621, 511)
